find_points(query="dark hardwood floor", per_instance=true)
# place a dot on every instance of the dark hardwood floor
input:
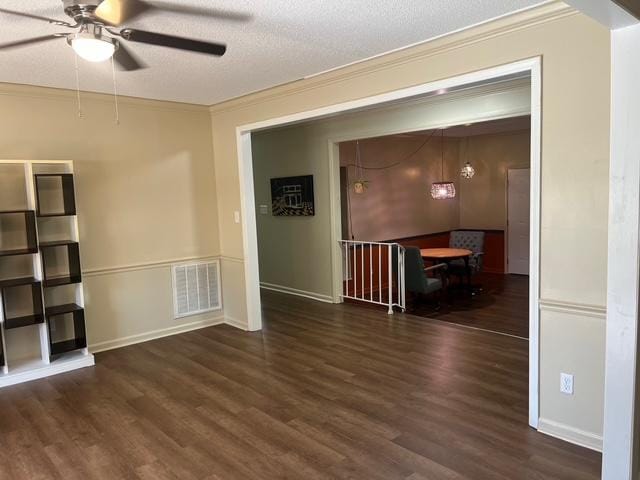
(323, 392)
(501, 306)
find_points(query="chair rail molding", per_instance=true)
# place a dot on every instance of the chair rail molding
(295, 291)
(132, 267)
(581, 309)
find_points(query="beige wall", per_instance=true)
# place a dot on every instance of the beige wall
(288, 247)
(483, 198)
(146, 195)
(397, 203)
(575, 152)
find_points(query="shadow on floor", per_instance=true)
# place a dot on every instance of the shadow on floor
(501, 306)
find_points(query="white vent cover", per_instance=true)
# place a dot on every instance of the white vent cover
(196, 288)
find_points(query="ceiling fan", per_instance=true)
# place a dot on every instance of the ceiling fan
(99, 36)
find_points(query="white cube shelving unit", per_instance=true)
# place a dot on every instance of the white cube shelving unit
(42, 323)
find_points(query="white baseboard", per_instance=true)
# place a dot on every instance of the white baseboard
(570, 434)
(236, 323)
(163, 332)
(294, 291)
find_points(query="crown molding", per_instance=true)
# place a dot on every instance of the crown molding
(66, 95)
(548, 12)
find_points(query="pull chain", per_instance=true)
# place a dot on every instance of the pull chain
(75, 57)
(115, 90)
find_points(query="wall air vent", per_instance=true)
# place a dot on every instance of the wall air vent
(196, 288)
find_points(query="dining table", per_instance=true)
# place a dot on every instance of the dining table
(446, 255)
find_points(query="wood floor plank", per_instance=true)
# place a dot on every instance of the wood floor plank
(323, 392)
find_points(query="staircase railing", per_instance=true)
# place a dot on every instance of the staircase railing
(373, 272)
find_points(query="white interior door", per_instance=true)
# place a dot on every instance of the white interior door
(518, 200)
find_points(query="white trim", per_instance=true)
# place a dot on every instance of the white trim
(534, 240)
(520, 66)
(64, 95)
(570, 434)
(233, 322)
(335, 208)
(300, 293)
(134, 267)
(580, 309)
(41, 369)
(231, 259)
(154, 334)
(247, 198)
(249, 230)
(621, 459)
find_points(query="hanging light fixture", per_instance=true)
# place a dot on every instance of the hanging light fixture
(467, 170)
(442, 190)
(359, 185)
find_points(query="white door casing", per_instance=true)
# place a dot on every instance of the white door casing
(518, 200)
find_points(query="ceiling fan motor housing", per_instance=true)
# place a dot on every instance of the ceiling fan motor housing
(81, 9)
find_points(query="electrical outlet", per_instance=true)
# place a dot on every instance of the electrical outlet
(566, 383)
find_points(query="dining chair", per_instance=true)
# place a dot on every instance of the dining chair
(421, 281)
(469, 240)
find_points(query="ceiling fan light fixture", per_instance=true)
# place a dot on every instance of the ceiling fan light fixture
(92, 48)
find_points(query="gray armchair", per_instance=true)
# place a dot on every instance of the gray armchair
(470, 240)
(417, 279)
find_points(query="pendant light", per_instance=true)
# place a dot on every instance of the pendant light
(467, 171)
(442, 190)
(359, 185)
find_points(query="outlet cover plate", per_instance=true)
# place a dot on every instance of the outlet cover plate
(566, 383)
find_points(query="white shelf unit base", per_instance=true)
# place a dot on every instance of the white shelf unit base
(35, 368)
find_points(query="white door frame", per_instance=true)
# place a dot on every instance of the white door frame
(247, 197)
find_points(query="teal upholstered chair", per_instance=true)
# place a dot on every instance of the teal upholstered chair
(470, 240)
(417, 278)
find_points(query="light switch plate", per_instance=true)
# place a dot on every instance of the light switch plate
(236, 216)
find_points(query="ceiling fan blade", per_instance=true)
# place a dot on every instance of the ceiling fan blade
(127, 60)
(116, 12)
(171, 41)
(35, 17)
(28, 41)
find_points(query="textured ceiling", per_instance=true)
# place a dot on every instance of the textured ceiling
(270, 42)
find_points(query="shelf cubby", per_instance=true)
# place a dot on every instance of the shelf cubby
(55, 195)
(72, 274)
(27, 230)
(9, 289)
(54, 316)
